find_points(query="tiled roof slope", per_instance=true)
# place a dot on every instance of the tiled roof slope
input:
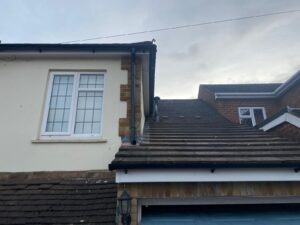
(57, 198)
(241, 88)
(191, 134)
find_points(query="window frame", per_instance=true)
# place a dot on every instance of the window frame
(72, 117)
(251, 111)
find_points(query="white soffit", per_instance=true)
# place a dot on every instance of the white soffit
(286, 117)
(207, 175)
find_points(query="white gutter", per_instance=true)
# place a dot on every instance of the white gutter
(259, 95)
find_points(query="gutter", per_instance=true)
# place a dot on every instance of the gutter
(133, 98)
(293, 164)
(282, 89)
(152, 60)
(152, 78)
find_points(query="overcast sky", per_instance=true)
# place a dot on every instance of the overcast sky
(250, 51)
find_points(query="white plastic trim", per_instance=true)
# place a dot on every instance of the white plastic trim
(258, 95)
(206, 175)
(286, 117)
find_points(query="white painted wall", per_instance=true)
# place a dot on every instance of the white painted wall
(22, 94)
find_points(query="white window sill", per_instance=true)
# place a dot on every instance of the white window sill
(66, 140)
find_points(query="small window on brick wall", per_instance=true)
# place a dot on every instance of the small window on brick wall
(252, 115)
(74, 104)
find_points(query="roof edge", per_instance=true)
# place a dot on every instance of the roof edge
(283, 88)
(210, 165)
(50, 48)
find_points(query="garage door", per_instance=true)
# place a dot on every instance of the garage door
(226, 215)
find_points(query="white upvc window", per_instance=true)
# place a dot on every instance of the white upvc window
(74, 104)
(252, 115)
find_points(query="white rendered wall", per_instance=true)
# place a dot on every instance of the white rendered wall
(23, 86)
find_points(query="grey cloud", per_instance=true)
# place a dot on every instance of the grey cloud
(257, 50)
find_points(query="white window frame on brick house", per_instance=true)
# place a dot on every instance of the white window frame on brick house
(70, 133)
(251, 114)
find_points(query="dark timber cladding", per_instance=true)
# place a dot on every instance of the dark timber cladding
(191, 134)
(58, 198)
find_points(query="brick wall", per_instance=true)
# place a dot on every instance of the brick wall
(229, 107)
(291, 98)
(287, 130)
(125, 95)
(139, 191)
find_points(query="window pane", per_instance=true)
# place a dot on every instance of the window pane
(80, 115)
(91, 81)
(51, 115)
(64, 79)
(53, 102)
(62, 90)
(66, 115)
(88, 112)
(56, 79)
(245, 112)
(83, 81)
(81, 102)
(78, 128)
(100, 79)
(258, 115)
(97, 115)
(98, 102)
(55, 89)
(60, 103)
(65, 127)
(57, 127)
(58, 115)
(68, 102)
(247, 121)
(87, 129)
(69, 89)
(96, 128)
(88, 115)
(90, 102)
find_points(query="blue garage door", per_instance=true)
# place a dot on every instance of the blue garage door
(254, 215)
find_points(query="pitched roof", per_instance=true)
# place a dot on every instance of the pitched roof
(191, 134)
(57, 198)
(241, 88)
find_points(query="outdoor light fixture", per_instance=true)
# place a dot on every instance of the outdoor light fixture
(124, 202)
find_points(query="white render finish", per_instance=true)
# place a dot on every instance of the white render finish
(206, 175)
(23, 88)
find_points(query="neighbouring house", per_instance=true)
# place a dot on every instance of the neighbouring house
(66, 110)
(272, 107)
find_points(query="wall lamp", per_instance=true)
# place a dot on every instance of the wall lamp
(124, 204)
